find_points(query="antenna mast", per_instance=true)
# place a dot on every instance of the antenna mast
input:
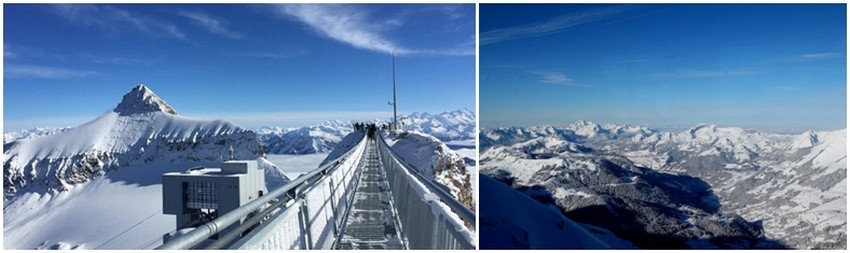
(395, 116)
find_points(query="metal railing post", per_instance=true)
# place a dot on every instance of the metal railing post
(308, 225)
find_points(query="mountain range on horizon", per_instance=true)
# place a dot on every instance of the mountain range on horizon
(704, 187)
(321, 138)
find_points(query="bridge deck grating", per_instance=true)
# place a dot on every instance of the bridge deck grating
(371, 223)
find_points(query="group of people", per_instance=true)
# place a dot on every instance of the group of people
(369, 128)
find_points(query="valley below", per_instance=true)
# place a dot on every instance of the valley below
(706, 187)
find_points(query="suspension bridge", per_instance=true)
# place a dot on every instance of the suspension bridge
(367, 198)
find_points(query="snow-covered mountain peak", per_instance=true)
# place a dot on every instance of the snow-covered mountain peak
(460, 113)
(712, 132)
(142, 100)
(585, 128)
(805, 140)
(142, 129)
(583, 124)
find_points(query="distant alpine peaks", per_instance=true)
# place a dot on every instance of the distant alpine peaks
(142, 100)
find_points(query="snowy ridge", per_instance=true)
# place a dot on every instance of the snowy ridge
(794, 184)
(437, 162)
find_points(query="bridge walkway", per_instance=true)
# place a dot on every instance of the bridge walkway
(372, 222)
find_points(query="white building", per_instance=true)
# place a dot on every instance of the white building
(200, 195)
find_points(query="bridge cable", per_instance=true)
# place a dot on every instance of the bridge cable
(128, 229)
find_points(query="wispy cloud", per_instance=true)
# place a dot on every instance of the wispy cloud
(552, 77)
(345, 24)
(454, 12)
(7, 52)
(457, 51)
(273, 55)
(822, 56)
(112, 60)
(114, 20)
(552, 25)
(355, 27)
(19, 51)
(211, 24)
(45, 72)
(703, 73)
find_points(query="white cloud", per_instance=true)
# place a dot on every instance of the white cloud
(354, 26)
(31, 71)
(822, 56)
(343, 23)
(114, 20)
(211, 24)
(552, 77)
(552, 25)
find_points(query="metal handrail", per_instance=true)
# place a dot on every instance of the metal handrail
(199, 234)
(458, 208)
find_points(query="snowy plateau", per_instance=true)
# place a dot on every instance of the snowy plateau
(98, 185)
(706, 187)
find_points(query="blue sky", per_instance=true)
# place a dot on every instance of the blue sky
(286, 65)
(754, 66)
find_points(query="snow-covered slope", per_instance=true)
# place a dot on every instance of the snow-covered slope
(512, 220)
(446, 126)
(98, 184)
(436, 161)
(793, 185)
